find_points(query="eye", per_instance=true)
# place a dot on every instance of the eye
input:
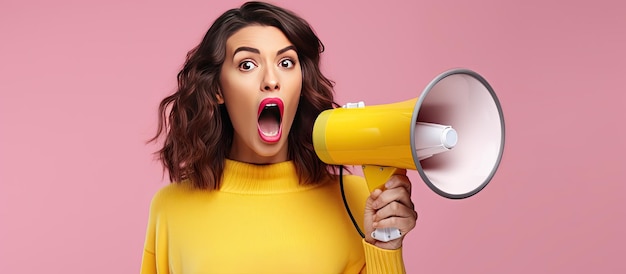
(286, 63)
(247, 65)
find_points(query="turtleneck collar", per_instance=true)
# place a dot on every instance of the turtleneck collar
(245, 178)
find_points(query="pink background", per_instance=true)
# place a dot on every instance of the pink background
(80, 83)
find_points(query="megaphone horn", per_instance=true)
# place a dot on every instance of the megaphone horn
(452, 134)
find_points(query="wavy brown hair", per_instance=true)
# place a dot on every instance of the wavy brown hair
(197, 129)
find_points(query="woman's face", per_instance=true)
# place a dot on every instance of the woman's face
(261, 81)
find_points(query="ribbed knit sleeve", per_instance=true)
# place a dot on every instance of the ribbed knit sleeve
(383, 261)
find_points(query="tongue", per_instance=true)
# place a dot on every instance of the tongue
(268, 125)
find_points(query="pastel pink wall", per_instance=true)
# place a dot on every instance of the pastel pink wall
(80, 83)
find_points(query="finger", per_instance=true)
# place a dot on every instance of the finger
(398, 180)
(370, 202)
(404, 224)
(394, 209)
(387, 196)
(375, 195)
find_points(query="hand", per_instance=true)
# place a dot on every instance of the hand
(391, 207)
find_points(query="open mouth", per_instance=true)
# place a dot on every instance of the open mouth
(270, 118)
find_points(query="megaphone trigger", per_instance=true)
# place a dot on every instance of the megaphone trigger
(386, 234)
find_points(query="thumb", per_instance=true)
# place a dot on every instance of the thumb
(370, 211)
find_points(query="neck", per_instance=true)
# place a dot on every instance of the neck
(261, 154)
(241, 177)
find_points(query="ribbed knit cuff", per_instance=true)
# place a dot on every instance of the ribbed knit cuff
(383, 261)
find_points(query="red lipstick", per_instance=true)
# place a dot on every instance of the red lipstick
(270, 117)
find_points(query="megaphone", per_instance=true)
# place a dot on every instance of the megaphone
(452, 134)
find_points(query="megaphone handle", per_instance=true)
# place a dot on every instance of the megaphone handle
(376, 177)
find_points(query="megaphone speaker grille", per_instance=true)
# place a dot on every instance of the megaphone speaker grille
(464, 100)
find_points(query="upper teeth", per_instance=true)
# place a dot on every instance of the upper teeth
(271, 105)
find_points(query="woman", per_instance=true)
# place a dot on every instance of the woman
(249, 193)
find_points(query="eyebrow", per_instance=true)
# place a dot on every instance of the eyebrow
(253, 50)
(287, 48)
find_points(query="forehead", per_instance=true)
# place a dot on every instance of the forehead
(259, 37)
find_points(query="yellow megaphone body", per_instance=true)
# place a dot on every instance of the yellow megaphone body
(452, 134)
(374, 136)
(457, 120)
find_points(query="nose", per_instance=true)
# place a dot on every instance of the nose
(270, 81)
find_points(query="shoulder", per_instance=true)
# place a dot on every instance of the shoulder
(355, 184)
(170, 194)
(356, 194)
(356, 189)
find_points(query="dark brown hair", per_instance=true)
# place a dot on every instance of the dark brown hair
(198, 131)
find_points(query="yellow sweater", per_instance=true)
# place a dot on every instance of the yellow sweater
(262, 221)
